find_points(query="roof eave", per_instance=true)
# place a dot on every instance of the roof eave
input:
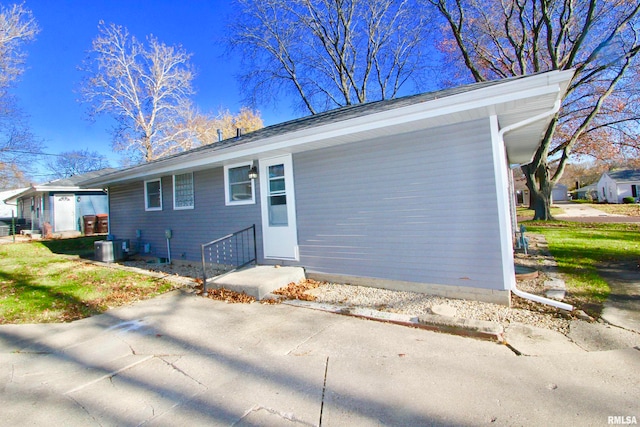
(552, 83)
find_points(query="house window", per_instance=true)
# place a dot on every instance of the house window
(238, 188)
(153, 195)
(183, 191)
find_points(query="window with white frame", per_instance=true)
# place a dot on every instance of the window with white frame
(238, 188)
(153, 195)
(183, 191)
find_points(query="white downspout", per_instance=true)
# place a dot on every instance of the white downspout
(501, 132)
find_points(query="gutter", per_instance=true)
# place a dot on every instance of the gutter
(501, 132)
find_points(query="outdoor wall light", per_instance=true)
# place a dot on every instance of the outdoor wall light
(253, 172)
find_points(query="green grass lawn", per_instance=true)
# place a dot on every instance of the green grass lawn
(41, 282)
(580, 247)
(526, 214)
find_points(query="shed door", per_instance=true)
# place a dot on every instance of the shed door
(64, 212)
(279, 231)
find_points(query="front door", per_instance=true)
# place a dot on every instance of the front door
(279, 232)
(64, 212)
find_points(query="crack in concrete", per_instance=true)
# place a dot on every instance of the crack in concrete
(133, 352)
(513, 349)
(172, 364)
(84, 408)
(110, 375)
(285, 415)
(306, 340)
(324, 388)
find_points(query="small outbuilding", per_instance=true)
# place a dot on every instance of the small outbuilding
(559, 193)
(62, 203)
(588, 192)
(413, 193)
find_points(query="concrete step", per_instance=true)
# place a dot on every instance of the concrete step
(258, 281)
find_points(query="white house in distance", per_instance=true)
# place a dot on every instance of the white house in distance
(411, 193)
(614, 186)
(7, 210)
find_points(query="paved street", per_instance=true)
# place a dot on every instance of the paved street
(184, 360)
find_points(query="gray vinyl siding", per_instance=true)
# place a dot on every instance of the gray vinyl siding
(210, 219)
(418, 207)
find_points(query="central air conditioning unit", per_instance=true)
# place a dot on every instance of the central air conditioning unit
(111, 250)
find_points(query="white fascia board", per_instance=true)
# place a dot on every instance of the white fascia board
(35, 190)
(67, 189)
(528, 87)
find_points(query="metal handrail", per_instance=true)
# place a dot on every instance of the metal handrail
(234, 248)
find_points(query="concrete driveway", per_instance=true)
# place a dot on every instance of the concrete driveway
(184, 360)
(583, 213)
(580, 210)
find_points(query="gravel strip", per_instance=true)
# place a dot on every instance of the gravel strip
(416, 304)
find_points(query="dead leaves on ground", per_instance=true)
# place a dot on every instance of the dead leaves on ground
(226, 295)
(299, 290)
(291, 291)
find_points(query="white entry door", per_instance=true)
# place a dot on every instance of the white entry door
(279, 232)
(64, 212)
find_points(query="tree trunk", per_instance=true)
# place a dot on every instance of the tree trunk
(539, 185)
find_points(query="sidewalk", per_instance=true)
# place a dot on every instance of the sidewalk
(622, 308)
(184, 360)
(582, 213)
(576, 210)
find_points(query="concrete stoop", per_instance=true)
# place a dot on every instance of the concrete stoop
(258, 281)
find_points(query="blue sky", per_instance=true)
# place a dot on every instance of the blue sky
(47, 90)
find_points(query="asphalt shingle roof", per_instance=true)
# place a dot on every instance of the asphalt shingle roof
(625, 175)
(338, 115)
(76, 179)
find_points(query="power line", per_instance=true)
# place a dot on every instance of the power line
(47, 154)
(31, 152)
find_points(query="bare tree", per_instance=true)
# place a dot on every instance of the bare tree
(328, 53)
(598, 39)
(19, 149)
(17, 144)
(17, 27)
(76, 162)
(145, 87)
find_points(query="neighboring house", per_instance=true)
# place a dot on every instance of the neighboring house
(559, 193)
(522, 196)
(412, 193)
(616, 185)
(61, 203)
(588, 192)
(8, 212)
